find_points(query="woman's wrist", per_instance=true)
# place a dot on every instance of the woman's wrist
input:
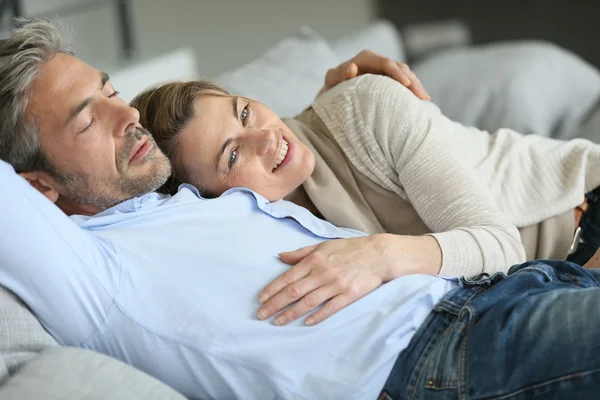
(408, 255)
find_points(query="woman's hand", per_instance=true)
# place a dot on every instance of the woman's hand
(367, 62)
(339, 272)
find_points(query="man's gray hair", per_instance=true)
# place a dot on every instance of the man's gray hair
(33, 43)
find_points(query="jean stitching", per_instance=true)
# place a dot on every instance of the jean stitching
(456, 327)
(414, 382)
(462, 367)
(546, 383)
(423, 360)
(463, 351)
(444, 384)
(533, 267)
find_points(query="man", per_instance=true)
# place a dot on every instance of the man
(170, 284)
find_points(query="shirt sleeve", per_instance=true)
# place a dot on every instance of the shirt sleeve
(403, 142)
(67, 276)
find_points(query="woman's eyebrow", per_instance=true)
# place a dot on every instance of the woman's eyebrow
(234, 103)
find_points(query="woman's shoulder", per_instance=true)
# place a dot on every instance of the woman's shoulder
(362, 87)
(369, 96)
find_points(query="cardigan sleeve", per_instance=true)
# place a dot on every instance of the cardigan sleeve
(403, 143)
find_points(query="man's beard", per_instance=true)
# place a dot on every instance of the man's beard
(103, 194)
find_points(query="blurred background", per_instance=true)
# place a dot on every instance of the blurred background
(223, 33)
(228, 32)
(502, 58)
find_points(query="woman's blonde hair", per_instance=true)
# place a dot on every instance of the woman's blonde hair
(165, 110)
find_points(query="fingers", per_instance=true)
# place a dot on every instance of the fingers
(351, 71)
(308, 303)
(330, 308)
(415, 86)
(294, 257)
(294, 274)
(289, 294)
(396, 70)
(370, 62)
(336, 75)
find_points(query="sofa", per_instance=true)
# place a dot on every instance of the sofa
(534, 87)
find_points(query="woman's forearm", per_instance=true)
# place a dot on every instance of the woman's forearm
(473, 234)
(411, 255)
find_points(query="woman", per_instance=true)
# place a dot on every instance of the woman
(438, 197)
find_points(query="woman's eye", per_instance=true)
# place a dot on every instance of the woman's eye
(244, 114)
(232, 157)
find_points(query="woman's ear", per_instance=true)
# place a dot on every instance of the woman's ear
(37, 180)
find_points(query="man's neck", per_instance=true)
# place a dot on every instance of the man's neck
(70, 207)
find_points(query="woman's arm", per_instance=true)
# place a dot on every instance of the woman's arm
(403, 144)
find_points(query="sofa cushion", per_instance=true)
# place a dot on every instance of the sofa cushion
(590, 127)
(70, 373)
(287, 77)
(529, 86)
(382, 37)
(22, 337)
(131, 79)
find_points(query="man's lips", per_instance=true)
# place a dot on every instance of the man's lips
(140, 151)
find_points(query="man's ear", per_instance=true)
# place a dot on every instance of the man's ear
(38, 181)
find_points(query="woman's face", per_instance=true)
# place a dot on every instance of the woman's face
(236, 142)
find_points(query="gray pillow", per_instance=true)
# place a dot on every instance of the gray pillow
(70, 373)
(22, 337)
(382, 37)
(529, 86)
(287, 77)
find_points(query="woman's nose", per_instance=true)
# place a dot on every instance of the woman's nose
(264, 139)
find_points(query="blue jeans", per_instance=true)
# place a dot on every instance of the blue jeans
(534, 334)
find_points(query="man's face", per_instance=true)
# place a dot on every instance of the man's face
(100, 153)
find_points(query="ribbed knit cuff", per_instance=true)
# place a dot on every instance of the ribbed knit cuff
(460, 253)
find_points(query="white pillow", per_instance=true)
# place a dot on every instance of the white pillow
(529, 86)
(287, 77)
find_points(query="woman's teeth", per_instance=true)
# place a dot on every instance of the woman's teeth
(282, 154)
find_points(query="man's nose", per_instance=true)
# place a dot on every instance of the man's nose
(126, 118)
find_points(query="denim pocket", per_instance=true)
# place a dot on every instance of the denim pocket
(443, 367)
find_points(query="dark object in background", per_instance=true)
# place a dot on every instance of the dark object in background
(573, 24)
(14, 8)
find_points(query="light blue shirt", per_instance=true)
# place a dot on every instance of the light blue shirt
(170, 285)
